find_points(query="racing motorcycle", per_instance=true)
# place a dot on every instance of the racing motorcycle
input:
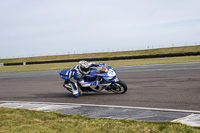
(106, 77)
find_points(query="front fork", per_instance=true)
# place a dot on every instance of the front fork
(113, 83)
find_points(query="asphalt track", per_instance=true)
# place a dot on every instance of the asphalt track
(170, 86)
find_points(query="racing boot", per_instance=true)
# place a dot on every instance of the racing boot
(75, 93)
(75, 89)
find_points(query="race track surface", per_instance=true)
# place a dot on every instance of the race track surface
(171, 86)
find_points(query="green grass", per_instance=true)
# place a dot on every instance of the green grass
(27, 121)
(105, 54)
(59, 66)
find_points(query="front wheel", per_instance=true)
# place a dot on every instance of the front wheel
(119, 87)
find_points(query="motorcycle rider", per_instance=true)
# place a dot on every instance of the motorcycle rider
(77, 74)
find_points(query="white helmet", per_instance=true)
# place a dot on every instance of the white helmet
(83, 67)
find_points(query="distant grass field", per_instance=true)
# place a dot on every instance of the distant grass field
(58, 66)
(106, 54)
(27, 121)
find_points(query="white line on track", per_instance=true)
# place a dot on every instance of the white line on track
(110, 106)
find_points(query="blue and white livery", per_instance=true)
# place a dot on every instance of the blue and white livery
(99, 77)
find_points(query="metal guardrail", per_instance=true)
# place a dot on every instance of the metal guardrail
(107, 58)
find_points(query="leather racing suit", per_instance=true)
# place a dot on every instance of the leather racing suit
(75, 77)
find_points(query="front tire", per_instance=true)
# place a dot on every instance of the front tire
(120, 87)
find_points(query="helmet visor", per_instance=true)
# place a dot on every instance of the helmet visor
(85, 69)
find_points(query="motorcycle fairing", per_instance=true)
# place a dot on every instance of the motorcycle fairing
(107, 77)
(64, 74)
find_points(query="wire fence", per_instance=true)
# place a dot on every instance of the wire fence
(100, 50)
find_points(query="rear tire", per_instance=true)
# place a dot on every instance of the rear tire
(121, 87)
(68, 88)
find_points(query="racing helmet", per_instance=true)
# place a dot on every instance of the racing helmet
(83, 67)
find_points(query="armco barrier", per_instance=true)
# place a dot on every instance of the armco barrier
(108, 58)
(12, 64)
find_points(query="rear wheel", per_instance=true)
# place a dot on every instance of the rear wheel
(66, 86)
(119, 87)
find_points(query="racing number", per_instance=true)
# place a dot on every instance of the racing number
(111, 72)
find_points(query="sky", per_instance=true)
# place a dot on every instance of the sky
(55, 27)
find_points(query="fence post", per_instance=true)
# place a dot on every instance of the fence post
(24, 63)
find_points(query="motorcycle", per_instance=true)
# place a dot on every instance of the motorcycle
(105, 75)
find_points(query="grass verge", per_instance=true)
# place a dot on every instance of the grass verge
(105, 54)
(23, 121)
(59, 66)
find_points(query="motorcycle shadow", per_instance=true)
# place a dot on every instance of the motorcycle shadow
(97, 93)
(51, 95)
(69, 95)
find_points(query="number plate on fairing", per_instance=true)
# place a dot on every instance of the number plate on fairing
(111, 73)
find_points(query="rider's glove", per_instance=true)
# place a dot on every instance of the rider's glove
(102, 64)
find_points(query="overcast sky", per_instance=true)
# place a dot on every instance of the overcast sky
(44, 27)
